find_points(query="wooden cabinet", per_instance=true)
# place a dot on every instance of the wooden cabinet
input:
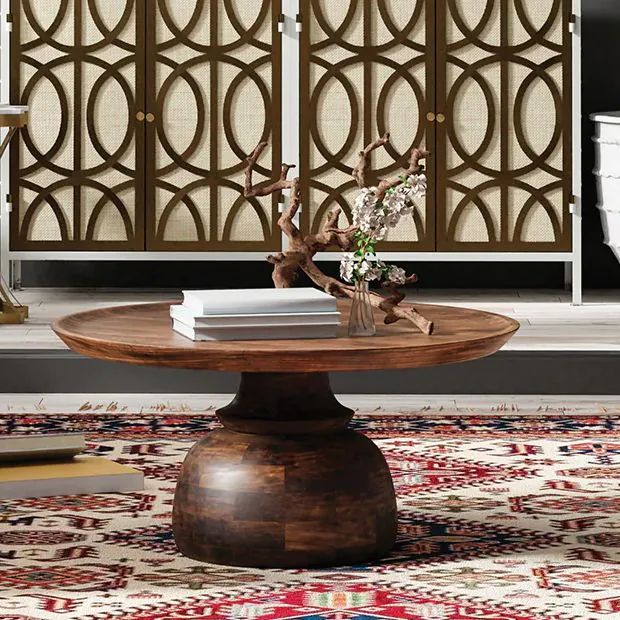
(484, 84)
(141, 115)
(77, 173)
(367, 67)
(143, 112)
(504, 177)
(213, 84)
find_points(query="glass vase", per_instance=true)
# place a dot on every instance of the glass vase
(362, 320)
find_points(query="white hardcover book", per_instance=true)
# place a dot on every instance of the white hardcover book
(258, 301)
(55, 446)
(265, 332)
(181, 313)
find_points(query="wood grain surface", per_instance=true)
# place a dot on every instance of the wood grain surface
(142, 334)
(290, 487)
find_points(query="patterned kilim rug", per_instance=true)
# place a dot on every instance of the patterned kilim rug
(501, 518)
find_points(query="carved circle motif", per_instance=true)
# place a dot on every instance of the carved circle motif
(490, 61)
(393, 56)
(81, 80)
(92, 56)
(209, 57)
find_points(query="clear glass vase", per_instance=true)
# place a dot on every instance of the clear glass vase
(361, 321)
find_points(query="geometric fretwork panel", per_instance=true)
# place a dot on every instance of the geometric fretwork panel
(215, 93)
(366, 68)
(74, 172)
(505, 148)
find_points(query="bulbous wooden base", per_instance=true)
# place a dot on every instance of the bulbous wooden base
(285, 484)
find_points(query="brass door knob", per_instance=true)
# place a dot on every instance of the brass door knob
(150, 117)
(441, 118)
(430, 117)
(140, 116)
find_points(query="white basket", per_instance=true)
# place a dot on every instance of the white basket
(607, 171)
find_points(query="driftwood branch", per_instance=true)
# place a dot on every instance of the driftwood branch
(415, 167)
(266, 189)
(301, 251)
(360, 171)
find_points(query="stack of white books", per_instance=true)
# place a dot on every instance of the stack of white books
(256, 314)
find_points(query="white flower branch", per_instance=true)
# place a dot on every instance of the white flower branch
(375, 210)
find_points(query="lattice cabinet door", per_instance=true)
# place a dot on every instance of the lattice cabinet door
(214, 92)
(504, 86)
(77, 173)
(367, 67)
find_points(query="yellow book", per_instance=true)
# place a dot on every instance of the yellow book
(78, 476)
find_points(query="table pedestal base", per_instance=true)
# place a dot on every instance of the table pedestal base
(285, 484)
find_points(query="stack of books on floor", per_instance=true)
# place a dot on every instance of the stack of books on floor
(256, 314)
(47, 465)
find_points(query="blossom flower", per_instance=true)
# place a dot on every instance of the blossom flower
(396, 275)
(347, 267)
(417, 184)
(374, 218)
(365, 268)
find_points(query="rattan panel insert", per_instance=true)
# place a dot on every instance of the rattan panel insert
(504, 84)
(214, 76)
(76, 170)
(366, 68)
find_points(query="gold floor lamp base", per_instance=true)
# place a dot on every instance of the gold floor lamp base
(13, 118)
(12, 315)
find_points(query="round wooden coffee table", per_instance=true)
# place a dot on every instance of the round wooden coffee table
(284, 483)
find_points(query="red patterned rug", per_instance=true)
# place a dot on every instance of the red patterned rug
(501, 518)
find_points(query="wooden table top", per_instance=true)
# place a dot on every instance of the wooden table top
(142, 334)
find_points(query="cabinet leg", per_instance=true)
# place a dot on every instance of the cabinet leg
(16, 275)
(568, 276)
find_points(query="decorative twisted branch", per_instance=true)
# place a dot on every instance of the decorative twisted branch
(360, 171)
(301, 251)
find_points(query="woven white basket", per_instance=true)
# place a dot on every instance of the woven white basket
(607, 171)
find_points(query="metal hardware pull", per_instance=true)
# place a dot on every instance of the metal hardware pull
(441, 118)
(431, 117)
(150, 117)
(140, 116)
